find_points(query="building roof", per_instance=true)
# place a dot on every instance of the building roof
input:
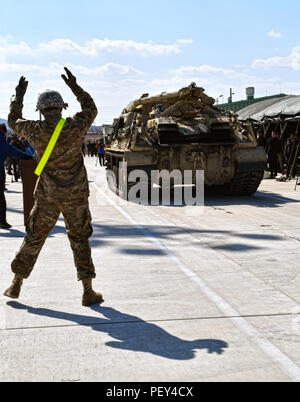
(288, 107)
(259, 107)
(239, 105)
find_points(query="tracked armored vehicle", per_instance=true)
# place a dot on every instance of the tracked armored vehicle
(184, 131)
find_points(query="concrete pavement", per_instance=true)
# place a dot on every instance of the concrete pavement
(210, 296)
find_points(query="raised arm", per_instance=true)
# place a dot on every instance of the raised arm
(16, 153)
(89, 110)
(22, 127)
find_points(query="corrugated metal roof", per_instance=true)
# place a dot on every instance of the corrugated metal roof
(256, 108)
(287, 107)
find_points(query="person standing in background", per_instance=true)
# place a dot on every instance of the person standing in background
(261, 140)
(6, 150)
(89, 148)
(290, 148)
(101, 154)
(83, 149)
(274, 151)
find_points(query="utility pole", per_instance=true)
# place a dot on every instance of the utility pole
(231, 95)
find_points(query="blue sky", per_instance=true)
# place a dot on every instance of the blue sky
(121, 49)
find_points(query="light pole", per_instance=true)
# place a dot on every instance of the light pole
(219, 97)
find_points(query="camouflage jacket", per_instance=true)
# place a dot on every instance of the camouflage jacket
(64, 175)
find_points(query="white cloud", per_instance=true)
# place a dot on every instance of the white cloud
(97, 46)
(112, 95)
(109, 69)
(52, 69)
(8, 47)
(114, 85)
(290, 61)
(275, 35)
(92, 48)
(207, 69)
(211, 71)
(218, 80)
(185, 41)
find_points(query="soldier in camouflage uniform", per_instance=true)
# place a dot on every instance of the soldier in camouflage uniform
(62, 187)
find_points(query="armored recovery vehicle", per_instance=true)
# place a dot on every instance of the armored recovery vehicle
(184, 131)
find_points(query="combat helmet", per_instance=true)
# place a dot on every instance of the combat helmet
(51, 99)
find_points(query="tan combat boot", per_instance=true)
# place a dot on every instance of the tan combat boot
(14, 291)
(90, 297)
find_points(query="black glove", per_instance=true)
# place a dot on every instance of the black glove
(21, 88)
(70, 80)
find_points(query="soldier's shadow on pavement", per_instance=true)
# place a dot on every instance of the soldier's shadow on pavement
(11, 233)
(132, 333)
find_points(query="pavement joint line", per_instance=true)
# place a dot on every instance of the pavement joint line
(275, 354)
(147, 321)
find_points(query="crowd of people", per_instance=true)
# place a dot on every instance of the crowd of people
(280, 154)
(95, 149)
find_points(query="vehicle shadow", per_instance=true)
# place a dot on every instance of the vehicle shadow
(105, 235)
(132, 333)
(261, 199)
(227, 240)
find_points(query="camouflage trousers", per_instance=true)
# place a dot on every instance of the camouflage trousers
(43, 218)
